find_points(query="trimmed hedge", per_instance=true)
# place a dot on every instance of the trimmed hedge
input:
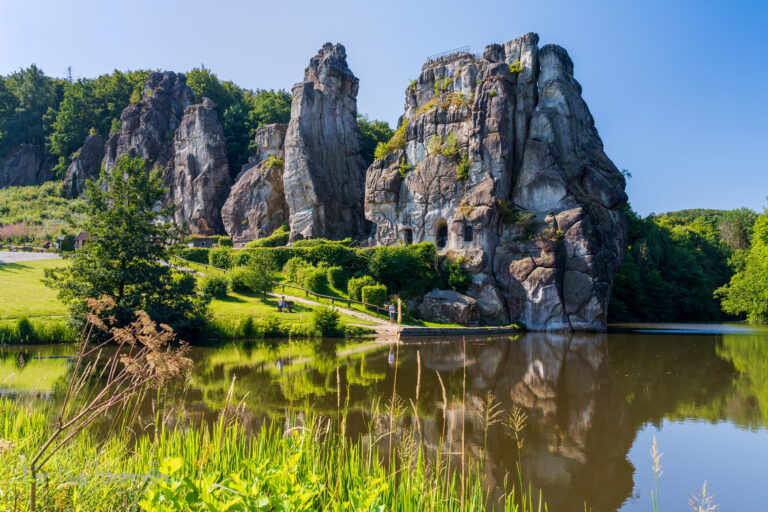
(196, 254)
(220, 257)
(225, 241)
(375, 294)
(214, 285)
(355, 286)
(337, 277)
(278, 237)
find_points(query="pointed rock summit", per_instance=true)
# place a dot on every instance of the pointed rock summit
(324, 170)
(503, 167)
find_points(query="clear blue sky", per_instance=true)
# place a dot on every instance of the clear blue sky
(678, 89)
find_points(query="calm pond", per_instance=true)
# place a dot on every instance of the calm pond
(594, 404)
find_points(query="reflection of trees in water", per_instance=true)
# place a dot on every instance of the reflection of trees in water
(749, 355)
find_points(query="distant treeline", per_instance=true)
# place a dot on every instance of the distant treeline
(57, 114)
(677, 261)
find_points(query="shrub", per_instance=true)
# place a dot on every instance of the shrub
(262, 272)
(404, 168)
(435, 145)
(292, 268)
(220, 257)
(462, 168)
(214, 285)
(196, 254)
(396, 142)
(515, 67)
(314, 279)
(274, 161)
(278, 238)
(375, 294)
(458, 280)
(225, 241)
(355, 286)
(336, 277)
(238, 279)
(325, 322)
(408, 270)
(451, 147)
(271, 327)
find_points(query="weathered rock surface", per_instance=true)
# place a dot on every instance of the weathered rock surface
(147, 127)
(86, 165)
(256, 205)
(27, 165)
(324, 170)
(537, 218)
(450, 307)
(198, 181)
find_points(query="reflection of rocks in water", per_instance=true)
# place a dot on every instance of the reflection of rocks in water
(577, 433)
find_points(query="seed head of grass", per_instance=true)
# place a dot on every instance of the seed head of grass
(703, 501)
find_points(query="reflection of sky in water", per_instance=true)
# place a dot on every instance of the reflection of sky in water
(732, 460)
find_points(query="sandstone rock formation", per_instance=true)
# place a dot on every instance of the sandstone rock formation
(324, 170)
(147, 127)
(86, 165)
(256, 205)
(185, 141)
(198, 180)
(27, 165)
(450, 307)
(504, 168)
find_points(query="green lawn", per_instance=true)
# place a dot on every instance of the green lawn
(22, 293)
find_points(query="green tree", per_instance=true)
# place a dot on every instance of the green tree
(125, 258)
(371, 133)
(747, 291)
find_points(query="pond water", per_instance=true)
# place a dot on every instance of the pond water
(594, 404)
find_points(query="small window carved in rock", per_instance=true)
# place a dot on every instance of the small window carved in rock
(468, 234)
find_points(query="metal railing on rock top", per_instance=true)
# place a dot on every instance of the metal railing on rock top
(307, 293)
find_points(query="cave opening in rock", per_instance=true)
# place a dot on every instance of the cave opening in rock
(468, 233)
(408, 236)
(441, 237)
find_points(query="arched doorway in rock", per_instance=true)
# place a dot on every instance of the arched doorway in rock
(441, 234)
(408, 236)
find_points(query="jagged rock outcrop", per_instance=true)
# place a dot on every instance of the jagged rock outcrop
(324, 170)
(504, 168)
(147, 127)
(85, 165)
(198, 181)
(185, 141)
(256, 205)
(27, 165)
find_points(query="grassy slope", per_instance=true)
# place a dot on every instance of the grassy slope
(42, 209)
(23, 294)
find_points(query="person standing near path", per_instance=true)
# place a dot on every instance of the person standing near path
(392, 312)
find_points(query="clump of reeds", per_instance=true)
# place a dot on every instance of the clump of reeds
(36, 330)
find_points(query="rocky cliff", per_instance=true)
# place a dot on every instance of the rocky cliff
(500, 164)
(27, 165)
(324, 170)
(86, 165)
(256, 206)
(198, 181)
(185, 141)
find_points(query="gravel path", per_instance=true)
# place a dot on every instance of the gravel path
(17, 257)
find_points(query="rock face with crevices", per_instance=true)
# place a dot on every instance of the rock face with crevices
(198, 181)
(504, 168)
(324, 170)
(256, 205)
(85, 165)
(27, 165)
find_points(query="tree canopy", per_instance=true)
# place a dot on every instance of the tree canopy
(125, 256)
(371, 133)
